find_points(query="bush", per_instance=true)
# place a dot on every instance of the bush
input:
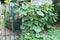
(34, 18)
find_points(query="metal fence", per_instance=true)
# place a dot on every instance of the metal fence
(10, 31)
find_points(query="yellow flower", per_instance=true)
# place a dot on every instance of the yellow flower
(28, 33)
(6, 1)
(27, 4)
(3, 8)
(48, 4)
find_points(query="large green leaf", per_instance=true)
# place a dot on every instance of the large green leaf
(24, 7)
(22, 27)
(27, 23)
(30, 9)
(12, 4)
(40, 13)
(37, 29)
(23, 12)
(36, 23)
(32, 27)
(37, 35)
(25, 18)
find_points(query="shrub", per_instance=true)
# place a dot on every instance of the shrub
(34, 18)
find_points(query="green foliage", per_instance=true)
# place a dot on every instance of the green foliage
(54, 34)
(5, 15)
(51, 35)
(34, 18)
(3, 21)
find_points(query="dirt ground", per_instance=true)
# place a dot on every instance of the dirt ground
(6, 34)
(57, 25)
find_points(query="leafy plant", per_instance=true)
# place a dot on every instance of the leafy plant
(3, 21)
(34, 18)
(54, 34)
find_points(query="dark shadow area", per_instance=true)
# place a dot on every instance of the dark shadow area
(57, 8)
(2, 1)
(16, 25)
